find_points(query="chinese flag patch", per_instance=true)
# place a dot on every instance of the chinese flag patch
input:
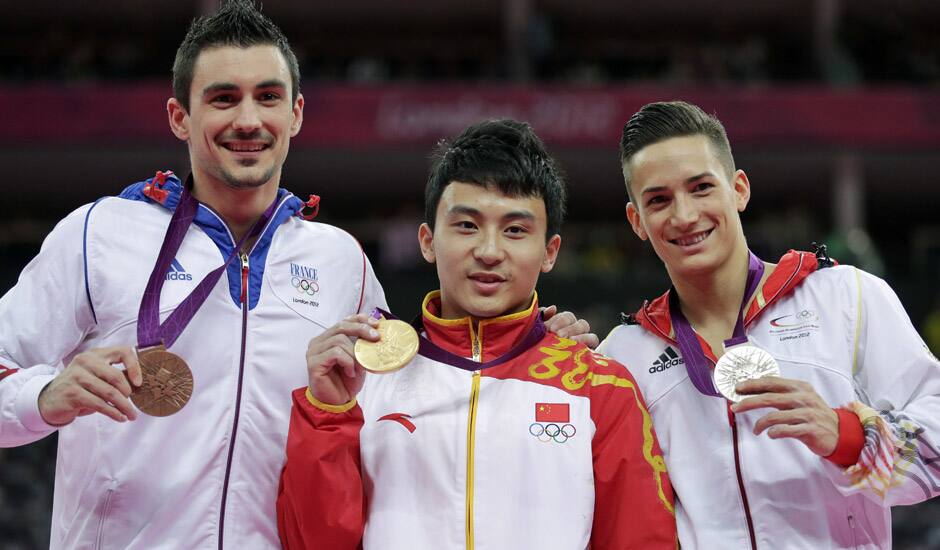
(552, 412)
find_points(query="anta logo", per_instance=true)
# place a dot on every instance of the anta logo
(402, 419)
(667, 359)
(177, 273)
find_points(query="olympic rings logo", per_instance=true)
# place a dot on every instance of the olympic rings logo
(552, 432)
(305, 286)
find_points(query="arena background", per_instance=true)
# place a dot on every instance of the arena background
(832, 107)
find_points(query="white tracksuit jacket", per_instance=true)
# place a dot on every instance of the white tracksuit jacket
(207, 476)
(845, 332)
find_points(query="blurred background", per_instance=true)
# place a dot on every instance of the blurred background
(832, 107)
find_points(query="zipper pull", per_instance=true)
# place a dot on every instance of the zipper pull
(244, 258)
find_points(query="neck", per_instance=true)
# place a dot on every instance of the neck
(714, 299)
(238, 208)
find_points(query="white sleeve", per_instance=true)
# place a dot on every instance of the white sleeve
(898, 386)
(43, 318)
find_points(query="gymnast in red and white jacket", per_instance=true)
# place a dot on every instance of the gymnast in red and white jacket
(535, 441)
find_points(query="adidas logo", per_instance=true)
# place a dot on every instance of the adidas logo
(177, 273)
(667, 359)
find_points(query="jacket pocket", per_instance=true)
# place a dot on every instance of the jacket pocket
(103, 517)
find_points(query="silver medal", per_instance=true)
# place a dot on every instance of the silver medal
(740, 363)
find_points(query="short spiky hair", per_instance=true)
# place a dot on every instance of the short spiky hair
(657, 122)
(505, 154)
(237, 23)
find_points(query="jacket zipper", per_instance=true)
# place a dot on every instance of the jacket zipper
(737, 454)
(105, 512)
(737, 470)
(476, 346)
(238, 396)
(471, 440)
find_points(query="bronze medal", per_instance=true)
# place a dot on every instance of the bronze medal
(396, 347)
(167, 382)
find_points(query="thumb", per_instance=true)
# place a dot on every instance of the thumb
(549, 312)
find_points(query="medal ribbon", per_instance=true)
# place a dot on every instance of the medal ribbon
(432, 351)
(150, 332)
(696, 363)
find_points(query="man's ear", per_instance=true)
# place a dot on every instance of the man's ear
(742, 190)
(179, 118)
(298, 115)
(633, 216)
(426, 241)
(551, 253)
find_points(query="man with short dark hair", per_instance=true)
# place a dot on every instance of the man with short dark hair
(112, 273)
(217, 280)
(820, 358)
(496, 434)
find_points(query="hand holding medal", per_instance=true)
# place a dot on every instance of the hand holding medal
(749, 377)
(741, 361)
(396, 347)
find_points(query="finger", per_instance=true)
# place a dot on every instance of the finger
(128, 357)
(113, 376)
(782, 401)
(358, 330)
(104, 391)
(364, 318)
(335, 358)
(88, 402)
(575, 328)
(767, 384)
(346, 363)
(777, 418)
(590, 340)
(565, 324)
(549, 312)
(796, 431)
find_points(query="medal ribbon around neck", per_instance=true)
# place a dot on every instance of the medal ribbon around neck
(696, 363)
(150, 332)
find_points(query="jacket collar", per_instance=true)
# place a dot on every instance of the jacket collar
(492, 338)
(792, 269)
(165, 189)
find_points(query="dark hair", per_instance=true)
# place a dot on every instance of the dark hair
(237, 23)
(656, 122)
(505, 154)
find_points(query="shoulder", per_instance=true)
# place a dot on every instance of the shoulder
(572, 366)
(323, 236)
(631, 344)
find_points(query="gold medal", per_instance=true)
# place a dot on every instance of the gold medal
(396, 347)
(167, 382)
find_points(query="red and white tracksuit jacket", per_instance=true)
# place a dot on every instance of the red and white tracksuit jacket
(843, 331)
(548, 446)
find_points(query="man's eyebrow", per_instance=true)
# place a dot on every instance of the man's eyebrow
(657, 189)
(219, 87)
(519, 215)
(272, 83)
(699, 176)
(458, 209)
(661, 188)
(230, 87)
